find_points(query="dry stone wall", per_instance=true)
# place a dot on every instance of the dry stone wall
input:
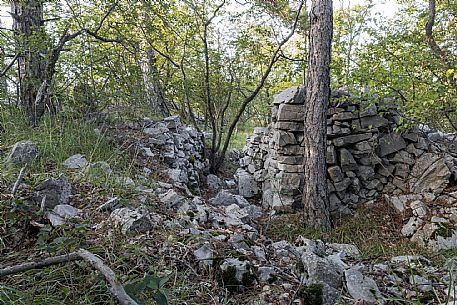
(366, 157)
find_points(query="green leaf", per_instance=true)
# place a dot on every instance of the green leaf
(163, 280)
(152, 282)
(160, 298)
(135, 288)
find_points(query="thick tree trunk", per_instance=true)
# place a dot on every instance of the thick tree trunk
(315, 193)
(31, 42)
(152, 84)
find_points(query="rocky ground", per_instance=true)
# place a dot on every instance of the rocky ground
(173, 220)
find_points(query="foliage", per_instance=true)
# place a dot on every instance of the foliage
(153, 283)
(395, 60)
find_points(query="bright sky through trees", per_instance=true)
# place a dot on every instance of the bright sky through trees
(386, 7)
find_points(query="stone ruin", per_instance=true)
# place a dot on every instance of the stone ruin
(366, 156)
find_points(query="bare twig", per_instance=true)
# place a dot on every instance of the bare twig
(18, 181)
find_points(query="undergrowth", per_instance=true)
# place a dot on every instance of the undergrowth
(374, 229)
(58, 137)
(23, 235)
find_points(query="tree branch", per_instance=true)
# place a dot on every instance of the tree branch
(208, 22)
(439, 53)
(9, 65)
(248, 99)
(429, 31)
(40, 264)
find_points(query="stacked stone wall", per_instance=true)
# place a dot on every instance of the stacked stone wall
(366, 156)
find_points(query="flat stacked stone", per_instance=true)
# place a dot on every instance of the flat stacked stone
(365, 155)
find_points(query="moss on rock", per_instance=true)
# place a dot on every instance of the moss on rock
(311, 294)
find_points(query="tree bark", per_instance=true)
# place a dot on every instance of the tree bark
(151, 83)
(29, 30)
(315, 193)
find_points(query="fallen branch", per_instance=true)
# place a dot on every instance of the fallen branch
(41, 264)
(116, 287)
(19, 180)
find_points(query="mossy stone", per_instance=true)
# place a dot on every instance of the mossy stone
(311, 294)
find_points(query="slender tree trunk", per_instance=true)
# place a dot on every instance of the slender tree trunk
(30, 34)
(315, 193)
(3, 82)
(152, 85)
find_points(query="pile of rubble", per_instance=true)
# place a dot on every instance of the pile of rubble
(225, 234)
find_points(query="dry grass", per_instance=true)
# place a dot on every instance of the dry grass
(374, 229)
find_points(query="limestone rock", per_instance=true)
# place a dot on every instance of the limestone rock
(235, 211)
(171, 198)
(321, 270)
(225, 198)
(284, 138)
(247, 184)
(61, 213)
(373, 122)
(75, 162)
(343, 116)
(335, 173)
(99, 168)
(23, 152)
(287, 96)
(172, 122)
(178, 175)
(158, 135)
(331, 154)
(347, 161)
(214, 182)
(347, 249)
(130, 221)
(291, 126)
(204, 254)
(288, 112)
(236, 272)
(266, 274)
(390, 143)
(351, 139)
(411, 227)
(361, 287)
(53, 192)
(429, 174)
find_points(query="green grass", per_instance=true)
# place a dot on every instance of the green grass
(58, 137)
(238, 139)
